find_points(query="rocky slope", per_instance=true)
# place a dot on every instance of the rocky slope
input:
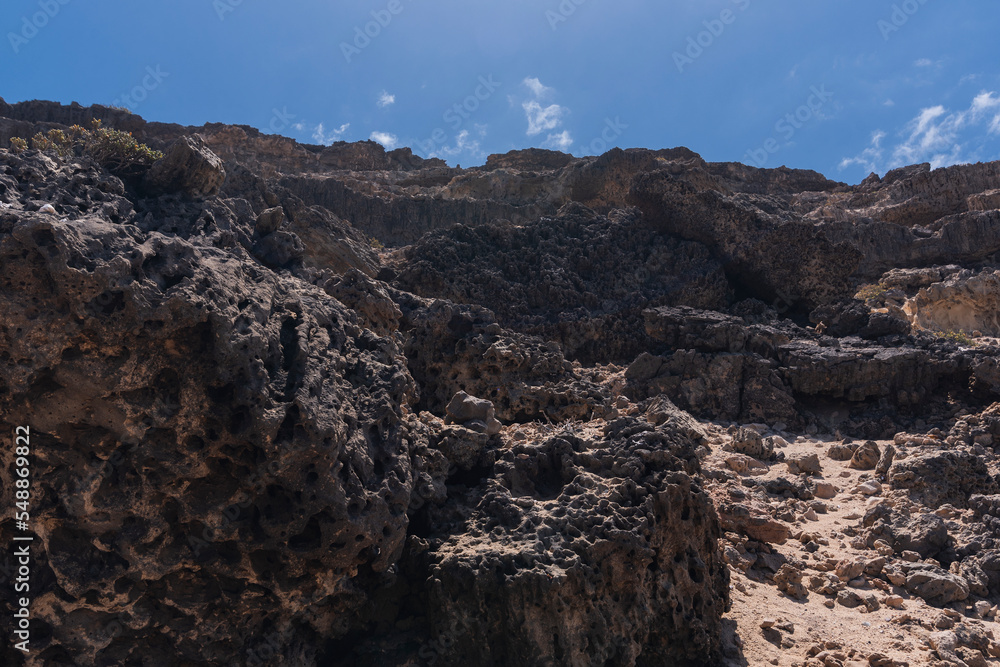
(634, 409)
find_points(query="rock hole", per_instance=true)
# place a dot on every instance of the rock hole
(309, 539)
(43, 238)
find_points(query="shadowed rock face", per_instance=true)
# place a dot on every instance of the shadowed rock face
(579, 278)
(228, 464)
(574, 550)
(209, 436)
(556, 603)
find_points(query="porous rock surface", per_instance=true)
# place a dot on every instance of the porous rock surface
(230, 467)
(565, 527)
(210, 436)
(333, 405)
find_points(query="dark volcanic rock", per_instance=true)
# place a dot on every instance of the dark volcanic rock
(943, 477)
(579, 278)
(935, 585)
(257, 430)
(729, 367)
(452, 348)
(531, 158)
(208, 437)
(773, 254)
(926, 534)
(535, 578)
(866, 457)
(227, 461)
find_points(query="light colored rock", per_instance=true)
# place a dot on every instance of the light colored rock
(806, 463)
(789, 581)
(744, 465)
(885, 462)
(848, 569)
(842, 451)
(474, 413)
(825, 490)
(883, 548)
(948, 511)
(869, 488)
(742, 520)
(960, 302)
(895, 576)
(269, 221)
(189, 167)
(747, 440)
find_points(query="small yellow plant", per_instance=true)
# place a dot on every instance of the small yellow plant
(375, 243)
(867, 292)
(18, 145)
(959, 337)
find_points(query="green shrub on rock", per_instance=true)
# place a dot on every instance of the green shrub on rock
(117, 151)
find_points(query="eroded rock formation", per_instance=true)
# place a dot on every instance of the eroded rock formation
(501, 439)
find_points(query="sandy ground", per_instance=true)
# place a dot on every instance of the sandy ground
(768, 627)
(799, 625)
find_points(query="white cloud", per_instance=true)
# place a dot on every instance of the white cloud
(322, 137)
(541, 119)
(299, 126)
(463, 145)
(936, 135)
(889, 103)
(932, 131)
(924, 62)
(561, 141)
(385, 100)
(986, 106)
(869, 157)
(536, 87)
(985, 101)
(389, 141)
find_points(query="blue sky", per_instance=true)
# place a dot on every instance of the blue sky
(844, 88)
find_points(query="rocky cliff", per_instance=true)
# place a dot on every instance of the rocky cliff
(262, 437)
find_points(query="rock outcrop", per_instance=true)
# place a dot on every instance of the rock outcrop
(535, 577)
(579, 278)
(188, 168)
(197, 440)
(229, 462)
(336, 405)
